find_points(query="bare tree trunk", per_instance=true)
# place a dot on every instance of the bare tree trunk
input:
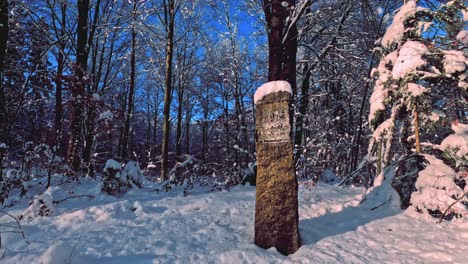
(303, 105)
(131, 91)
(205, 138)
(92, 112)
(179, 124)
(155, 128)
(58, 81)
(169, 13)
(416, 126)
(276, 208)
(3, 46)
(96, 72)
(148, 130)
(188, 117)
(226, 119)
(78, 90)
(187, 133)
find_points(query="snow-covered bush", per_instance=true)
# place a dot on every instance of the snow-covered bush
(132, 174)
(117, 180)
(39, 205)
(113, 182)
(421, 86)
(440, 191)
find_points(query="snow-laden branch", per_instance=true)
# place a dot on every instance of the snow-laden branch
(297, 13)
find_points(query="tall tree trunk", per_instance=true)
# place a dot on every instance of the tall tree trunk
(3, 46)
(170, 20)
(303, 105)
(155, 128)
(179, 123)
(78, 90)
(276, 208)
(179, 130)
(96, 71)
(148, 130)
(205, 137)
(416, 126)
(226, 119)
(187, 132)
(132, 87)
(59, 81)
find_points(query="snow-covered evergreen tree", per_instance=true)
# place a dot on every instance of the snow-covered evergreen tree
(421, 87)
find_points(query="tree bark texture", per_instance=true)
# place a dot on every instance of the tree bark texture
(3, 46)
(169, 21)
(78, 90)
(59, 80)
(131, 91)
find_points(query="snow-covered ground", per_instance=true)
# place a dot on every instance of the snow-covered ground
(145, 226)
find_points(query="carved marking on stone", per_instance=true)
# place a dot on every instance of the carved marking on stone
(274, 122)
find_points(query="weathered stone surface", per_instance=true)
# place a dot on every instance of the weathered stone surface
(271, 122)
(276, 212)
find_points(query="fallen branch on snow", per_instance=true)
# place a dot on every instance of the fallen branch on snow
(451, 205)
(72, 197)
(18, 226)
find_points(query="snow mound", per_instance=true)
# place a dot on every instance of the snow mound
(271, 87)
(59, 253)
(382, 193)
(328, 176)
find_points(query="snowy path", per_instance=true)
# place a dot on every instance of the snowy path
(147, 227)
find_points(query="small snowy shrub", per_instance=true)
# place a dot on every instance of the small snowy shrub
(40, 205)
(132, 174)
(440, 191)
(113, 182)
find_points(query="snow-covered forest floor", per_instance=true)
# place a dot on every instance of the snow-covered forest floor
(146, 226)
